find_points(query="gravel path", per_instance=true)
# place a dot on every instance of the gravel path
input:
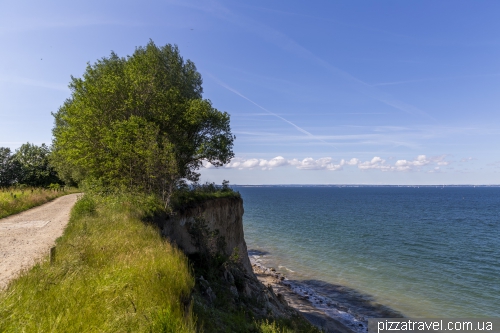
(25, 238)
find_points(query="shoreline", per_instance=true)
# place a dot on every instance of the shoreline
(300, 303)
(303, 305)
(327, 313)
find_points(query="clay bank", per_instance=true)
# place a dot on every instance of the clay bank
(223, 217)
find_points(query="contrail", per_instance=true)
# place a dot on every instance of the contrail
(263, 108)
(290, 45)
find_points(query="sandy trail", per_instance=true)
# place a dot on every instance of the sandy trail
(25, 238)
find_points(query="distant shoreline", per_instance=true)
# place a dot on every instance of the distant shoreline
(363, 185)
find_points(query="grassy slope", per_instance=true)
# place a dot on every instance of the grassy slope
(113, 273)
(13, 201)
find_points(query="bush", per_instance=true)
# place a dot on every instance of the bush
(85, 206)
(186, 196)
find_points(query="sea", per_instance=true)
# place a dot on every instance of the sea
(381, 251)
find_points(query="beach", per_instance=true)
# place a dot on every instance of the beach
(302, 303)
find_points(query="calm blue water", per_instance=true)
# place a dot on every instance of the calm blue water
(423, 252)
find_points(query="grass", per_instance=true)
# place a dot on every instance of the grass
(241, 320)
(113, 273)
(231, 317)
(15, 200)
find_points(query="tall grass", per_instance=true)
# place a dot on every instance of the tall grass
(15, 200)
(113, 273)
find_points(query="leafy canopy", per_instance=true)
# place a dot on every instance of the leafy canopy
(139, 121)
(29, 165)
(9, 169)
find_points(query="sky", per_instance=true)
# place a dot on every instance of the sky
(319, 92)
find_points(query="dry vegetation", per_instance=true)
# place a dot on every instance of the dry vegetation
(15, 200)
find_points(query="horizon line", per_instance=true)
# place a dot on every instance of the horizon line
(393, 185)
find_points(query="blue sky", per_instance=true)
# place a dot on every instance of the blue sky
(319, 92)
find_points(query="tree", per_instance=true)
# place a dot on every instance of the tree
(33, 162)
(29, 165)
(9, 168)
(139, 122)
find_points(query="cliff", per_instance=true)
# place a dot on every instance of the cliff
(228, 296)
(222, 215)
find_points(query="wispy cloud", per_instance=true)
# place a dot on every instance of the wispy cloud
(37, 23)
(11, 143)
(286, 43)
(388, 137)
(300, 129)
(34, 83)
(435, 79)
(329, 20)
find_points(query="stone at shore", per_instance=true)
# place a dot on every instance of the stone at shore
(299, 303)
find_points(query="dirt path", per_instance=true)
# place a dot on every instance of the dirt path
(27, 237)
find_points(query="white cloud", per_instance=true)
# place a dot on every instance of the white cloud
(374, 163)
(327, 163)
(240, 163)
(276, 162)
(352, 161)
(207, 165)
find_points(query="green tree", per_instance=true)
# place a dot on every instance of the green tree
(139, 122)
(33, 165)
(9, 168)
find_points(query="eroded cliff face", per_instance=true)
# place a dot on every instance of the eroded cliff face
(232, 283)
(222, 214)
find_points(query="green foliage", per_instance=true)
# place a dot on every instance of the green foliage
(29, 165)
(240, 319)
(139, 122)
(85, 206)
(112, 273)
(35, 169)
(168, 321)
(186, 196)
(54, 187)
(291, 325)
(210, 245)
(267, 327)
(9, 168)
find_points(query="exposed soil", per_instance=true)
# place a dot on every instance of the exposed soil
(27, 237)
